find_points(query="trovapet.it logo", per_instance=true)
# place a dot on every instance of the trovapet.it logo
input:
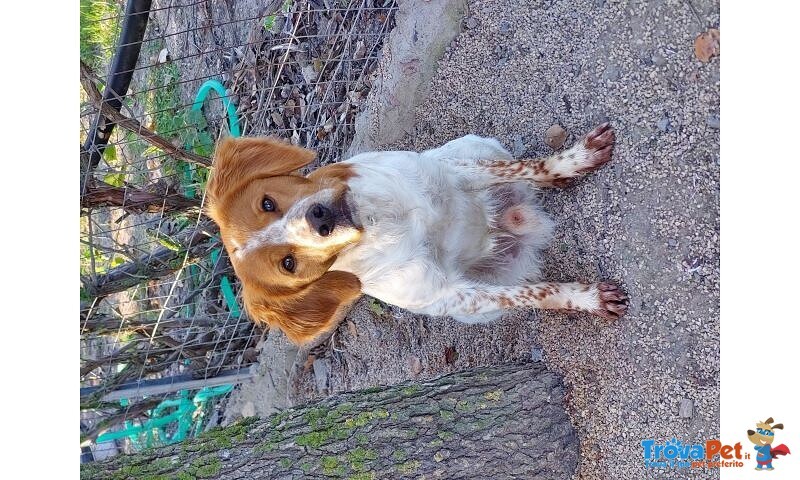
(676, 454)
(715, 454)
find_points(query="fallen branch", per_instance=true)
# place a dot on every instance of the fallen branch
(133, 125)
(134, 200)
(160, 263)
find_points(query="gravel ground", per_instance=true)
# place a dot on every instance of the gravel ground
(649, 220)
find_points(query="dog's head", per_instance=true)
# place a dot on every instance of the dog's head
(764, 433)
(283, 232)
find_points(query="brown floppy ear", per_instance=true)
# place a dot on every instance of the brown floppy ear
(238, 161)
(778, 426)
(303, 316)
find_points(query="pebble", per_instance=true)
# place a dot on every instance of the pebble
(519, 146)
(537, 354)
(713, 121)
(611, 73)
(415, 365)
(505, 26)
(686, 409)
(322, 368)
(249, 409)
(555, 136)
(472, 22)
(659, 60)
(663, 124)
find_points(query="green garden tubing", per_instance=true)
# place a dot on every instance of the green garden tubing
(184, 409)
(233, 126)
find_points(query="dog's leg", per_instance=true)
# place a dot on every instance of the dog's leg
(602, 299)
(592, 152)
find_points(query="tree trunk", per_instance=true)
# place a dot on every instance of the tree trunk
(489, 423)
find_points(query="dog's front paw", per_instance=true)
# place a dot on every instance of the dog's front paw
(595, 149)
(613, 303)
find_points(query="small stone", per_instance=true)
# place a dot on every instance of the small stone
(249, 409)
(322, 368)
(472, 23)
(659, 59)
(686, 409)
(505, 26)
(163, 56)
(537, 354)
(309, 73)
(555, 136)
(713, 121)
(663, 124)
(519, 146)
(611, 73)
(415, 365)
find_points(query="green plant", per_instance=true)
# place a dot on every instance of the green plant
(99, 29)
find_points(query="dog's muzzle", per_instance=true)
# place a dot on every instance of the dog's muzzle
(321, 219)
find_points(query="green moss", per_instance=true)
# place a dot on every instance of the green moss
(362, 476)
(270, 444)
(184, 476)
(305, 467)
(285, 462)
(436, 443)
(372, 390)
(446, 415)
(206, 466)
(331, 467)
(315, 416)
(438, 457)
(408, 467)
(360, 453)
(313, 439)
(493, 395)
(399, 455)
(446, 436)
(361, 439)
(464, 406)
(278, 418)
(410, 390)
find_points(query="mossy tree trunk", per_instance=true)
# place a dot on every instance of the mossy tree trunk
(492, 423)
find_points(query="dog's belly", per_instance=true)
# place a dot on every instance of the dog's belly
(426, 228)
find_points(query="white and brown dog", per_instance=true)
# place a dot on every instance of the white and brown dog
(456, 231)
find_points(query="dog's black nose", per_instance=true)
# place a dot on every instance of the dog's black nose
(750, 432)
(321, 219)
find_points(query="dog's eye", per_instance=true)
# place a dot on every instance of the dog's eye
(288, 263)
(268, 204)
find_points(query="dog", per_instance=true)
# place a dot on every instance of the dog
(762, 438)
(453, 231)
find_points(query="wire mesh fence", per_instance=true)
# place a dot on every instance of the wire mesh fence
(163, 336)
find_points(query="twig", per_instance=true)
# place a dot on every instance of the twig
(134, 126)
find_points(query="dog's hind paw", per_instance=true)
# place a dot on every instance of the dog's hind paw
(613, 303)
(597, 147)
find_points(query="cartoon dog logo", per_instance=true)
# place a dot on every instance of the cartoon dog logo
(763, 437)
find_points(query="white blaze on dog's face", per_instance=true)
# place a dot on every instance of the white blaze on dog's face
(283, 231)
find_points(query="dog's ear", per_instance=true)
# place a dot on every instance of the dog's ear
(238, 161)
(769, 420)
(303, 316)
(779, 426)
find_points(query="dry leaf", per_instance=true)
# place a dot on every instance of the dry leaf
(450, 355)
(706, 45)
